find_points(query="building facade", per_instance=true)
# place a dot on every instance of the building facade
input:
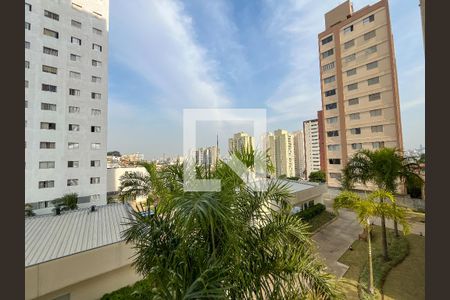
(299, 154)
(66, 97)
(269, 141)
(312, 146)
(207, 157)
(284, 153)
(358, 76)
(241, 140)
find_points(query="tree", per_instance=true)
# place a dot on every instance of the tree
(368, 208)
(29, 210)
(113, 153)
(386, 168)
(67, 202)
(318, 176)
(234, 244)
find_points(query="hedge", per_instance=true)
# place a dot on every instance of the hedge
(311, 212)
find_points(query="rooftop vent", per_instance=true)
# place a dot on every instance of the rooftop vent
(93, 208)
(57, 211)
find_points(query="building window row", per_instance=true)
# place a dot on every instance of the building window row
(331, 106)
(366, 20)
(327, 53)
(328, 66)
(51, 15)
(70, 145)
(327, 40)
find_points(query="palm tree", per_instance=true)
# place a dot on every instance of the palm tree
(385, 168)
(368, 208)
(234, 244)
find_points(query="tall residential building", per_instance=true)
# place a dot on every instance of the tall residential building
(241, 140)
(312, 146)
(270, 147)
(207, 156)
(66, 97)
(284, 153)
(358, 76)
(299, 154)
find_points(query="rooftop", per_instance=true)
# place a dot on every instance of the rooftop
(50, 237)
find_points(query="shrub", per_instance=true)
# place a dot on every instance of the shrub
(317, 176)
(68, 201)
(311, 212)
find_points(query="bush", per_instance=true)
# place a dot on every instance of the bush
(311, 212)
(141, 290)
(318, 176)
(68, 201)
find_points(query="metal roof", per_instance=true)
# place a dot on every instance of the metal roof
(50, 237)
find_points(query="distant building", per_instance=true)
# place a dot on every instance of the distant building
(284, 153)
(132, 157)
(312, 146)
(299, 154)
(207, 157)
(270, 148)
(241, 141)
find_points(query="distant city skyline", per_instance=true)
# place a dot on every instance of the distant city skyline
(166, 56)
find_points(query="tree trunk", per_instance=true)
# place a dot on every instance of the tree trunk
(384, 245)
(369, 243)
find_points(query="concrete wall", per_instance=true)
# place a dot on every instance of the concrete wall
(86, 275)
(315, 193)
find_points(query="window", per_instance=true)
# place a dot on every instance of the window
(27, 26)
(330, 93)
(75, 40)
(50, 51)
(95, 128)
(334, 161)
(371, 50)
(96, 79)
(350, 58)
(351, 72)
(75, 75)
(356, 146)
(46, 165)
(72, 182)
(348, 29)
(331, 106)
(375, 112)
(332, 133)
(327, 40)
(328, 66)
(349, 44)
(96, 63)
(95, 163)
(96, 31)
(95, 180)
(97, 47)
(74, 127)
(334, 147)
(74, 57)
(74, 92)
(353, 101)
(48, 69)
(369, 19)
(48, 106)
(95, 146)
(95, 197)
(372, 65)
(355, 130)
(377, 145)
(75, 24)
(46, 184)
(51, 15)
(374, 80)
(354, 116)
(337, 176)
(26, 83)
(352, 87)
(376, 96)
(27, 45)
(369, 35)
(47, 145)
(74, 110)
(95, 112)
(27, 64)
(72, 145)
(327, 53)
(28, 6)
(51, 33)
(96, 96)
(49, 88)
(378, 128)
(332, 120)
(73, 164)
(49, 126)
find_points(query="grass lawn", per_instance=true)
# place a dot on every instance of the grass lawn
(320, 220)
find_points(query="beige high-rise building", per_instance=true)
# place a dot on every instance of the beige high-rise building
(299, 153)
(284, 153)
(312, 146)
(241, 140)
(360, 101)
(270, 147)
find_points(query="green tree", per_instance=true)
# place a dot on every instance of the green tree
(67, 202)
(317, 176)
(386, 168)
(368, 208)
(234, 244)
(29, 210)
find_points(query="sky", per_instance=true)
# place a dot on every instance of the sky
(169, 55)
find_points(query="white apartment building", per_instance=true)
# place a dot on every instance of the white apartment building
(299, 153)
(207, 156)
(312, 147)
(284, 153)
(241, 140)
(66, 97)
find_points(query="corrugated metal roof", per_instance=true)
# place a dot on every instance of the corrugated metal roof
(50, 237)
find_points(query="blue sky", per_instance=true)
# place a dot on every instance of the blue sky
(167, 55)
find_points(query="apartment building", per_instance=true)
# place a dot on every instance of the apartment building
(66, 93)
(360, 99)
(299, 153)
(207, 156)
(312, 147)
(284, 153)
(241, 140)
